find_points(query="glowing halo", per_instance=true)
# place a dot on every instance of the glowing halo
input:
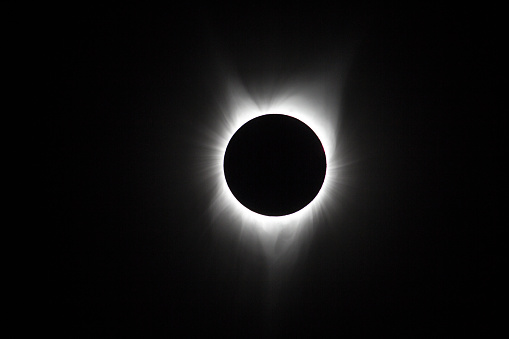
(315, 103)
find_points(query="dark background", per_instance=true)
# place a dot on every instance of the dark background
(130, 247)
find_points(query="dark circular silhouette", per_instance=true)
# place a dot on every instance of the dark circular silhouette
(274, 165)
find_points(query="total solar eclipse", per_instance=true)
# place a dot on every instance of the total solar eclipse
(274, 165)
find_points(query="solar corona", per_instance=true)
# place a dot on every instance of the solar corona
(272, 163)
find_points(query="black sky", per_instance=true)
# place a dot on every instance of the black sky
(131, 249)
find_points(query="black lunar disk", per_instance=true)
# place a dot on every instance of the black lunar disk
(275, 165)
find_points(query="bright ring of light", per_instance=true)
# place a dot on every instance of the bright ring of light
(316, 103)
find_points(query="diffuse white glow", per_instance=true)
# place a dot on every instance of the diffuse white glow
(312, 100)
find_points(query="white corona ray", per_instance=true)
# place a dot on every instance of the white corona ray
(313, 100)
